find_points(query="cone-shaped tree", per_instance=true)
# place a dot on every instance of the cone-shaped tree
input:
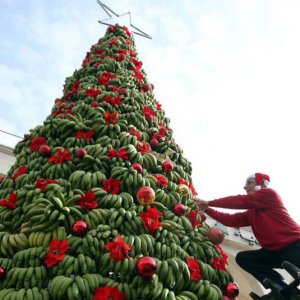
(99, 202)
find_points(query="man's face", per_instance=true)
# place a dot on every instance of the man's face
(250, 186)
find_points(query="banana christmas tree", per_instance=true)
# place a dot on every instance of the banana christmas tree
(99, 202)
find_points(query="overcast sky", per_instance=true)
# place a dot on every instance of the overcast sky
(225, 71)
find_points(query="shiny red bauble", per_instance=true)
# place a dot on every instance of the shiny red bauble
(146, 266)
(45, 150)
(79, 228)
(2, 272)
(154, 142)
(231, 290)
(167, 166)
(71, 105)
(202, 215)
(94, 104)
(179, 209)
(145, 195)
(122, 91)
(146, 87)
(121, 57)
(80, 152)
(138, 167)
(215, 235)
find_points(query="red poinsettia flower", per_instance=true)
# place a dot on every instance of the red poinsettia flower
(121, 153)
(114, 41)
(11, 202)
(158, 106)
(112, 186)
(20, 171)
(85, 135)
(149, 114)
(132, 53)
(136, 133)
(144, 148)
(59, 101)
(112, 100)
(220, 262)
(118, 249)
(92, 93)
(88, 201)
(127, 31)
(138, 64)
(193, 218)
(105, 78)
(138, 75)
(122, 51)
(99, 51)
(56, 252)
(189, 184)
(86, 60)
(111, 118)
(151, 219)
(194, 268)
(42, 183)
(37, 143)
(108, 293)
(62, 155)
(162, 180)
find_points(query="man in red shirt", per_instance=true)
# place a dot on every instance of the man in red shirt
(277, 233)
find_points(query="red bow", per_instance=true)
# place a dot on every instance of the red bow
(62, 155)
(21, 170)
(111, 118)
(144, 148)
(149, 113)
(11, 202)
(85, 134)
(122, 153)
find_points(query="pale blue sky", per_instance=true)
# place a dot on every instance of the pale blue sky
(226, 73)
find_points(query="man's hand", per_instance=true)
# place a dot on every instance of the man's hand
(202, 204)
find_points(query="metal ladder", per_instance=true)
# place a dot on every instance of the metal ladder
(290, 292)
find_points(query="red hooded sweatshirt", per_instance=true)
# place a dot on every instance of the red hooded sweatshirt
(272, 226)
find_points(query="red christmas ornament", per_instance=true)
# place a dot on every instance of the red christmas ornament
(137, 167)
(146, 87)
(94, 104)
(215, 234)
(202, 215)
(179, 209)
(79, 228)
(121, 57)
(154, 142)
(45, 150)
(71, 105)
(146, 266)
(2, 272)
(231, 290)
(80, 152)
(145, 195)
(167, 166)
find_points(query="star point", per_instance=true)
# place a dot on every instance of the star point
(111, 15)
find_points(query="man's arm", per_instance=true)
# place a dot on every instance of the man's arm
(230, 220)
(261, 199)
